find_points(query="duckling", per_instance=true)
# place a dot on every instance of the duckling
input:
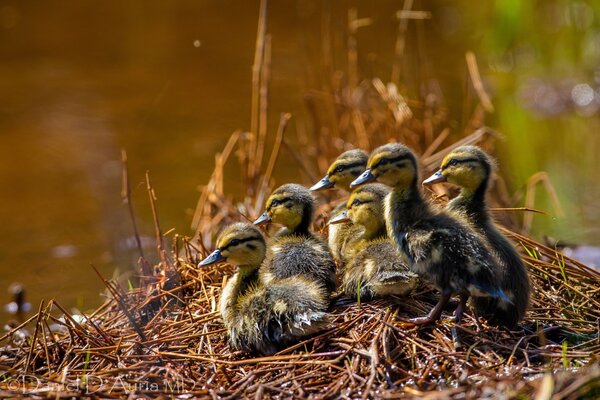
(470, 168)
(258, 317)
(347, 167)
(295, 250)
(374, 266)
(438, 247)
(340, 174)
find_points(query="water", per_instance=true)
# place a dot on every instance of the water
(169, 82)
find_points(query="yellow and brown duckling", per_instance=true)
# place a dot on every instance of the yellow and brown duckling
(471, 168)
(438, 247)
(258, 317)
(347, 167)
(374, 266)
(295, 250)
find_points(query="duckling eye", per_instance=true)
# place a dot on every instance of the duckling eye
(356, 202)
(234, 242)
(453, 162)
(338, 169)
(275, 203)
(384, 161)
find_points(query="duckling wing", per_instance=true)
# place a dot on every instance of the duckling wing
(378, 270)
(305, 256)
(341, 240)
(242, 319)
(453, 258)
(514, 281)
(300, 305)
(285, 311)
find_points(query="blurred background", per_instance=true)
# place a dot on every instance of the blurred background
(170, 81)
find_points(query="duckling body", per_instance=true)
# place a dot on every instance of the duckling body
(239, 291)
(338, 236)
(290, 308)
(295, 250)
(299, 255)
(340, 174)
(378, 271)
(374, 267)
(264, 317)
(439, 248)
(470, 168)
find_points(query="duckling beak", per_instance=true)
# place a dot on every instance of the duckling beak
(365, 177)
(324, 183)
(212, 258)
(263, 219)
(340, 218)
(435, 178)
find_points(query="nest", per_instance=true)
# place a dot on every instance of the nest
(154, 340)
(165, 336)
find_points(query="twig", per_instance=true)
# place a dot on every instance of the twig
(34, 338)
(121, 303)
(256, 74)
(126, 197)
(264, 182)
(400, 42)
(160, 245)
(484, 98)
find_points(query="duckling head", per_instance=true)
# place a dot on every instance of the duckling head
(290, 205)
(240, 244)
(343, 170)
(392, 164)
(365, 208)
(467, 166)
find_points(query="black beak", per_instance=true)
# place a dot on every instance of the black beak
(324, 183)
(365, 177)
(435, 178)
(212, 258)
(340, 218)
(263, 219)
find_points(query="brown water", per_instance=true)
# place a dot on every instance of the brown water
(169, 82)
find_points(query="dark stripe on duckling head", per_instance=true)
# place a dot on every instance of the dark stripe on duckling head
(280, 201)
(237, 242)
(338, 171)
(294, 192)
(238, 231)
(456, 161)
(392, 152)
(369, 193)
(472, 153)
(343, 167)
(358, 202)
(385, 160)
